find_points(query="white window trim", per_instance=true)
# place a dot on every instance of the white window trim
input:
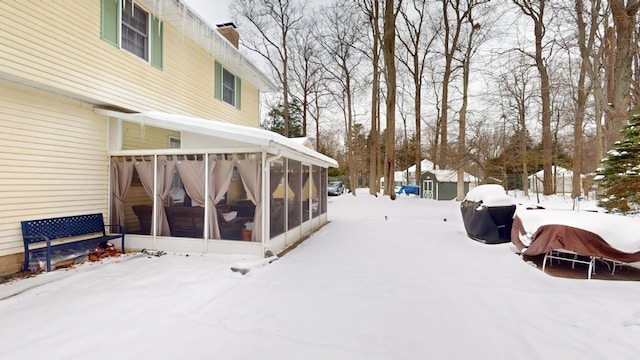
(148, 50)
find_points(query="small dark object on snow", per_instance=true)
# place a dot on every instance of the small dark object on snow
(385, 218)
(151, 253)
(445, 219)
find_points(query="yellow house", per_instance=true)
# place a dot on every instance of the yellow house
(89, 85)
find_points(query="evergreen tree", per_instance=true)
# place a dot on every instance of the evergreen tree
(619, 177)
(275, 119)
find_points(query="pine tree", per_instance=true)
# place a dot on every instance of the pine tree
(620, 176)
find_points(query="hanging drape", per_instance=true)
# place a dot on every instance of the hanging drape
(165, 173)
(275, 176)
(315, 190)
(220, 172)
(294, 180)
(249, 170)
(121, 175)
(192, 174)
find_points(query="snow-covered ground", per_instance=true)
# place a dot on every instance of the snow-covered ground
(383, 280)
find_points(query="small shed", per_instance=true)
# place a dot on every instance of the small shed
(441, 184)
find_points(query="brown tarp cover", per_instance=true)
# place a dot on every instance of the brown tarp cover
(553, 237)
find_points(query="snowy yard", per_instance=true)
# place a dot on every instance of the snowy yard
(383, 280)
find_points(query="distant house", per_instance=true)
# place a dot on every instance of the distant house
(442, 184)
(142, 111)
(562, 179)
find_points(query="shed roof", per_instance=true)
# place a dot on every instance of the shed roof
(448, 175)
(243, 136)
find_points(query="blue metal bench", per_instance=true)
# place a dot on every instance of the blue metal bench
(60, 228)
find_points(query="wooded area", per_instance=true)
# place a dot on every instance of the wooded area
(491, 88)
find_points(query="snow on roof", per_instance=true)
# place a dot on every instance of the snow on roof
(424, 165)
(557, 171)
(490, 195)
(186, 20)
(448, 175)
(217, 129)
(621, 232)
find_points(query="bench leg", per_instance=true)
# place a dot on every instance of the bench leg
(48, 258)
(25, 267)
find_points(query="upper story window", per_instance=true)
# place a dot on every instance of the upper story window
(135, 29)
(227, 86)
(128, 26)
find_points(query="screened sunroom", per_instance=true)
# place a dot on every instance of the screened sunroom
(193, 185)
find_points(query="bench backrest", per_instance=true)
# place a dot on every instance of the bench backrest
(61, 227)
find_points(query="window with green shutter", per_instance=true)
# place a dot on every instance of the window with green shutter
(130, 27)
(227, 86)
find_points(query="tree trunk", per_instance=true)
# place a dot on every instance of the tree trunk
(374, 137)
(388, 50)
(624, 18)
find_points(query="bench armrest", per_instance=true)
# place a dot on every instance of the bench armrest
(111, 226)
(30, 239)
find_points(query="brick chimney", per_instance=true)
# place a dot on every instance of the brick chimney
(228, 30)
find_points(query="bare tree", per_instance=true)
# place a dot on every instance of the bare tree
(371, 8)
(586, 44)
(473, 40)
(452, 30)
(417, 42)
(274, 22)
(515, 87)
(625, 19)
(306, 70)
(388, 50)
(535, 9)
(338, 35)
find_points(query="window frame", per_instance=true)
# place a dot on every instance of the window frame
(130, 27)
(220, 86)
(228, 85)
(111, 30)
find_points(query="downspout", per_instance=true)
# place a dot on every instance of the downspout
(155, 200)
(207, 209)
(266, 211)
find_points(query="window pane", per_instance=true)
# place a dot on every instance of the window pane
(228, 87)
(294, 198)
(278, 186)
(135, 26)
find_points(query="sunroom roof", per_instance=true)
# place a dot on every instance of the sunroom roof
(244, 136)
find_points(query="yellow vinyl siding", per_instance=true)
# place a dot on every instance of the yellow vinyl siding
(53, 159)
(57, 46)
(136, 137)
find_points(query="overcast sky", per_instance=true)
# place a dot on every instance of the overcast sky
(214, 12)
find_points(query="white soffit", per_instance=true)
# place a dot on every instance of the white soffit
(216, 129)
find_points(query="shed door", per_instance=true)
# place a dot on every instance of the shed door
(427, 185)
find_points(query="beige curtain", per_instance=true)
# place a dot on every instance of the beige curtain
(165, 173)
(121, 175)
(220, 172)
(249, 170)
(192, 175)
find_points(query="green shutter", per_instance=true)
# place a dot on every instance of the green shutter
(238, 92)
(217, 92)
(109, 21)
(156, 42)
